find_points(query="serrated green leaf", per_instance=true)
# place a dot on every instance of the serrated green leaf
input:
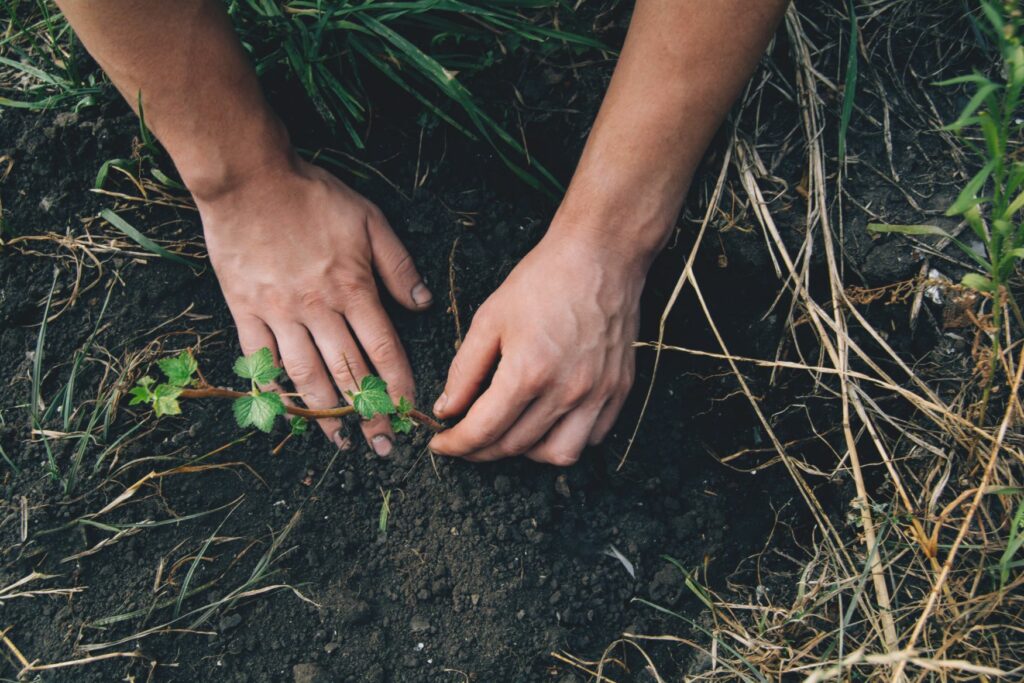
(372, 398)
(165, 400)
(140, 394)
(978, 282)
(258, 366)
(404, 406)
(401, 425)
(300, 425)
(179, 369)
(258, 411)
(373, 383)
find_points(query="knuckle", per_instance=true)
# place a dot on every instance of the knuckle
(560, 457)
(353, 288)
(577, 389)
(381, 348)
(404, 267)
(482, 436)
(373, 213)
(301, 372)
(513, 446)
(533, 378)
(312, 297)
(483, 315)
(343, 369)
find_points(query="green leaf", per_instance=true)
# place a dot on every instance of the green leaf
(372, 398)
(300, 425)
(258, 366)
(101, 176)
(179, 369)
(975, 78)
(1015, 206)
(143, 241)
(908, 229)
(404, 406)
(969, 195)
(258, 411)
(141, 393)
(401, 425)
(165, 400)
(973, 105)
(978, 282)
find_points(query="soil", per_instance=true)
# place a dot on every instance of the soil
(483, 571)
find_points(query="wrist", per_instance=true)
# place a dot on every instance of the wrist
(252, 150)
(615, 214)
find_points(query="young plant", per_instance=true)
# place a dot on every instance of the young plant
(992, 201)
(260, 409)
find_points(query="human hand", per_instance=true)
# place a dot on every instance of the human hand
(294, 250)
(563, 324)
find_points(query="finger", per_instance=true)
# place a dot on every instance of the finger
(306, 371)
(564, 443)
(377, 336)
(472, 364)
(610, 412)
(396, 267)
(253, 335)
(347, 367)
(489, 418)
(528, 430)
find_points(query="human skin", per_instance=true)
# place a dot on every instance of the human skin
(561, 328)
(295, 249)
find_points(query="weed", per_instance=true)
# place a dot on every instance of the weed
(260, 408)
(992, 200)
(385, 512)
(329, 50)
(46, 66)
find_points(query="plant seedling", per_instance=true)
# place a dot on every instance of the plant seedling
(260, 408)
(992, 201)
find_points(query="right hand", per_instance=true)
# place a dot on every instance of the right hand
(294, 251)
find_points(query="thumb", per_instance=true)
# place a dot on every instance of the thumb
(395, 266)
(471, 366)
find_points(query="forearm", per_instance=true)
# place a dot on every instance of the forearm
(199, 93)
(682, 66)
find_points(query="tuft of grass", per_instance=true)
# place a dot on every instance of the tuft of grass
(331, 50)
(43, 61)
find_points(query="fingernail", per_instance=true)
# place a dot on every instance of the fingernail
(421, 295)
(381, 445)
(441, 402)
(340, 441)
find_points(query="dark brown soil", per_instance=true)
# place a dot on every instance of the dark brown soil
(484, 570)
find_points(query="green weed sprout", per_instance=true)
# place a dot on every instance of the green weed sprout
(992, 201)
(260, 409)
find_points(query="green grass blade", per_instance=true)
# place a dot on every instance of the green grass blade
(143, 241)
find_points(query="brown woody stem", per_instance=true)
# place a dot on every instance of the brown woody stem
(340, 411)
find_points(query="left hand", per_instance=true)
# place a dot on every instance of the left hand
(563, 325)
